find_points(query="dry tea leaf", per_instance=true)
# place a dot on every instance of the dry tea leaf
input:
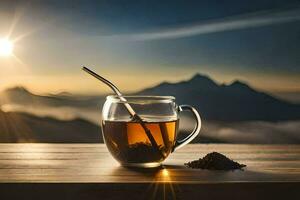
(215, 161)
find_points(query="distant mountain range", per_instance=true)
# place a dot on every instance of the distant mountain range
(234, 102)
(21, 127)
(27, 127)
(21, 96)
(221, 106)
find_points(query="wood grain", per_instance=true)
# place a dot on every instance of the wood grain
(52, 170)
(93, 163)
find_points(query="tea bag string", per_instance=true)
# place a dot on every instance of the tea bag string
(131, 111)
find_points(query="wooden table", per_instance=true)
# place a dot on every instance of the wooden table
(87, 171)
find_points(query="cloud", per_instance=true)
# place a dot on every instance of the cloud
(247, 132)
(255, 132)
(257, 19)
(251, 132)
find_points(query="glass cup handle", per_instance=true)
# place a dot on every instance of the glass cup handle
(195, 132)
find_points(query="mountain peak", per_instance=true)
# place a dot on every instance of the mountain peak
(239, 84)
(20, 89)
(202, 79)
(200, 76)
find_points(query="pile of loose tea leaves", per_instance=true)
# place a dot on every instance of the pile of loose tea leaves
(215, 161)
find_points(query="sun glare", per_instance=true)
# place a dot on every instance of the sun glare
(6, 47)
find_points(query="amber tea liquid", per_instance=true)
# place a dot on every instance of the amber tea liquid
(128, 142)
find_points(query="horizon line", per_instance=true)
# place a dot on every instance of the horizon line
(205, 75)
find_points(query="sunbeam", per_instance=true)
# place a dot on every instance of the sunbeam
(15, 21)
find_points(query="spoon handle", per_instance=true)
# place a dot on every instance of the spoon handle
(113, 87)
(104, 80)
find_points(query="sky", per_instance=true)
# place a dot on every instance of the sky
(139, 43)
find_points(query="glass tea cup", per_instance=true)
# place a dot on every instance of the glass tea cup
(146, 140)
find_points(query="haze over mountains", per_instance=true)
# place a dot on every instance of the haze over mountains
(21, 96)
(233, 102)
(21, 127)
(231, 113)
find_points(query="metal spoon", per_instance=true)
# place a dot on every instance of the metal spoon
(133, 114)
(113, 87)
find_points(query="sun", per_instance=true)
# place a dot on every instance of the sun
(6, 47)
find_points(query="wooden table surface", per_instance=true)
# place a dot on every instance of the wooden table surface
(89, 168)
